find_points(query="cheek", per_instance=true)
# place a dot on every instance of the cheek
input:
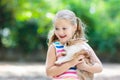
(70, 33)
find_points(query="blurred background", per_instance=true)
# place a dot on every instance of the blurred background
(24, 26)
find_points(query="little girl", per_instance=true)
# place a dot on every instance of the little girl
(67, 26)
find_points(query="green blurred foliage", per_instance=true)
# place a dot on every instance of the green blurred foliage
(25, 23)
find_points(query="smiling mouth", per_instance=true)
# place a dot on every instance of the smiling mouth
(63, 36)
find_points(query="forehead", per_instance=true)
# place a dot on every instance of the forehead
(62, 23)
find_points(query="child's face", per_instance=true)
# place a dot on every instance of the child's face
(64, 30)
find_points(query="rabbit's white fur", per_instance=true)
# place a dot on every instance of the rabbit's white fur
(70, 51)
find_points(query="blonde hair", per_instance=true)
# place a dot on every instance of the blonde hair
(68, 15)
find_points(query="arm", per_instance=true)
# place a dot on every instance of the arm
(97, 65)
(54, 70)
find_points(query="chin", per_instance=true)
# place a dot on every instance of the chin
(63, 41)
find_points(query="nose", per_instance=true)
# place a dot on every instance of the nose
(61, 32)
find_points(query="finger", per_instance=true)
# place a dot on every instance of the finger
(80, 61)
(81, 56)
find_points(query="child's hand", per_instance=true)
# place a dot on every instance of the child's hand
(83, 65)
(85, 52)
(78, 59)
(79, 56)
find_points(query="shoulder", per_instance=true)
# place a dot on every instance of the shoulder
(80, 41)
(51, 47)
(83, 42)
(88, 47)
(86, 44)
(51, 51)
(55, 45)
(90, 51)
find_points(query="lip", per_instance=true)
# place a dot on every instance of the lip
(63, 36)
